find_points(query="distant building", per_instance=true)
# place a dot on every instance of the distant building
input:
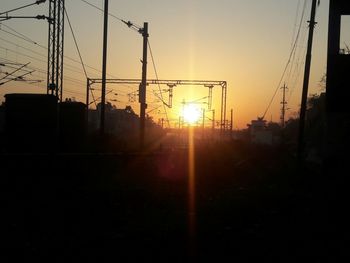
(262, 133)
(119, 122)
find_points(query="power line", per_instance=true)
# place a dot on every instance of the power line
(39, 54)
(16, 70)
(297, 68)
(44, 71)
(18, 8)
(298, 34)
(295, 23)
(156, 73)
(26, 38)
(96, 7)
(7, 65)
(75, 42)
(130, 24)
(37, 59)
(288, 62)
(28, 49)
(19, 35)
(16, 52)
(29, 40)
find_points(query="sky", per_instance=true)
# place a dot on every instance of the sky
(244, 42)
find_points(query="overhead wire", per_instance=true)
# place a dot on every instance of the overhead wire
(29, 40)
(288, 62)
(297, 70)
(68, 67)
(136, 28)
(295, 51)
(23, 37)
(19, 35)
(28, 5)
(44, 72)
(78, 50)
(156, 73)
(75, 42)
(114, 16)
(92, 5)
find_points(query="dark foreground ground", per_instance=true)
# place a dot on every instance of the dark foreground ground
(250, 202)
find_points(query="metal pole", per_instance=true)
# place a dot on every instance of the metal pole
(49, 48)
(283, 113)
(53, 57)
(225, 98)
(57, 51)
(231, 126)
(222, 120)
(142, 92)
(61, 55)
(104, 65)
(306, 82)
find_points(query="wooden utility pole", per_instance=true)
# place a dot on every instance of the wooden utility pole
(312, 23)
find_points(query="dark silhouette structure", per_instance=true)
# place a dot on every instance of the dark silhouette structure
(30, 122)
(72, 126)
(338, 124)
(338, 83)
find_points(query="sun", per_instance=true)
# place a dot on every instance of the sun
(191, 113)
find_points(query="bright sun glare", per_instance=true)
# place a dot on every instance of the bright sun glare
(191, 113)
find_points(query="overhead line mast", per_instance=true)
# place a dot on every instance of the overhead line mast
(55, 48)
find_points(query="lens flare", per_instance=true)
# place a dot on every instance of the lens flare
(191, 113)
(191, 191)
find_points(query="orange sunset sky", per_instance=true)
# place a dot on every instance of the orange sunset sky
(244, 42)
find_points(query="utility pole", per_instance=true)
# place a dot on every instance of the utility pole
(142, 90)
(284, 103)
(231, 125)
(104, 68)
(312, 23)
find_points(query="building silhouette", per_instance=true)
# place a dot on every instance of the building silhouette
(338, 83)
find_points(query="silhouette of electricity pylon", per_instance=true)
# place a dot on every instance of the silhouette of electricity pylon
(55, 48)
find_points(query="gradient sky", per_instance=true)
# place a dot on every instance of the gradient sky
(245, 42)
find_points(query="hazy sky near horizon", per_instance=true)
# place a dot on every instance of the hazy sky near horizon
(245, 42)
